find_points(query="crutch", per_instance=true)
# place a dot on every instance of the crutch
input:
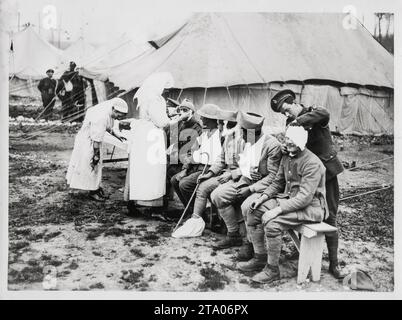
(194, 192)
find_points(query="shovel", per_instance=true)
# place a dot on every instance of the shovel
(193, 194)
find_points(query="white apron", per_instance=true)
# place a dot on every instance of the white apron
(79, 173)
(147, 163)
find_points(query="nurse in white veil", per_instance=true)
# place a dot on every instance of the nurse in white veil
(146, 174)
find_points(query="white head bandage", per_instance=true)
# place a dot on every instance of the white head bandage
(298, 135)
(120, 105)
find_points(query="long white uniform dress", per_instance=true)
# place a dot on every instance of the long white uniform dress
(80, 175)
(147, 154)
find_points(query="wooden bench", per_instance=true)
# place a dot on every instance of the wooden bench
(310, 248)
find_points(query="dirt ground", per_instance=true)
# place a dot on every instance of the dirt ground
(59, 240)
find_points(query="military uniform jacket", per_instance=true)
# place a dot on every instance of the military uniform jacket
(232, 146)
(47, 87)
(299, 187)
(315, 120)
(184, 134)
(268, 166)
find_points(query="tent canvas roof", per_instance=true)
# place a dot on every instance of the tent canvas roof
(78, 52)
(226, 49)
(32, 55)
(112, 55)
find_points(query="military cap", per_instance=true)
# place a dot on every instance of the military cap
(250, 120)
(175, 102)
(281, 97)
(187, 104)
(209, 110)
(228, 115)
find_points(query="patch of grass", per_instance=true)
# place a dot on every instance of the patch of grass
(54, 262)
(23, 231)
(98, 285)
(18, 245)
(132, 278)
(51, 235)
(117, 232)
(186, 259)
(137, 252)
(213, 280)
(73, 265)
(29, 274)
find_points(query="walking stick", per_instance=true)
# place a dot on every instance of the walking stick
(193, 194)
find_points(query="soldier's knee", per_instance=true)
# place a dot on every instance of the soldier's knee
(215, 198)
(253, 218)
(272, 229)
(245, 208)
(184, 185)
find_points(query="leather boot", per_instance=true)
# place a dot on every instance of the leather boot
(257, 263)
(246, 252)
(267, 275)
(335, 270)
(231, 240)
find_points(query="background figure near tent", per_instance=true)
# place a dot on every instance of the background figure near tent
(47, 88)
(315, 120)
(71, 93)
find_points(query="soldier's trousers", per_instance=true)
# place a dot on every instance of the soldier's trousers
(332, 196)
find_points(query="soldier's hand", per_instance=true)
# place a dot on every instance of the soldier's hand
(294, 123)
(243, 193)
(255, 176)
(257, 202)
(205, 176)
(284, 150)
(225, 177)
(181, 175)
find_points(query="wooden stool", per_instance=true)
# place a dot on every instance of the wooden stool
(310, 248)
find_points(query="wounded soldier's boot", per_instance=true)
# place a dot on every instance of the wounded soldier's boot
(257, 263)
(246, 252)
(231, 240)
(267, 275)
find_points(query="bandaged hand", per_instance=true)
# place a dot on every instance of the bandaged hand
(224, 177)
(270, 215)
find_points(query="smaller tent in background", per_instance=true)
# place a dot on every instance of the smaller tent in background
(79, 52)
(30, 56)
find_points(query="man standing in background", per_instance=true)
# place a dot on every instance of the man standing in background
(47, 88)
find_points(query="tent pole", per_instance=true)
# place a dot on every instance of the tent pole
(230, 97)
(205, 96)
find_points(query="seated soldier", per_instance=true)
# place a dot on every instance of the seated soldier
(220, 171)
(209, 142)
(296, 196)
(182, 136)
(260, 158)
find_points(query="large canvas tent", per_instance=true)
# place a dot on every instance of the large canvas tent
(30, 56)
(240, 60)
